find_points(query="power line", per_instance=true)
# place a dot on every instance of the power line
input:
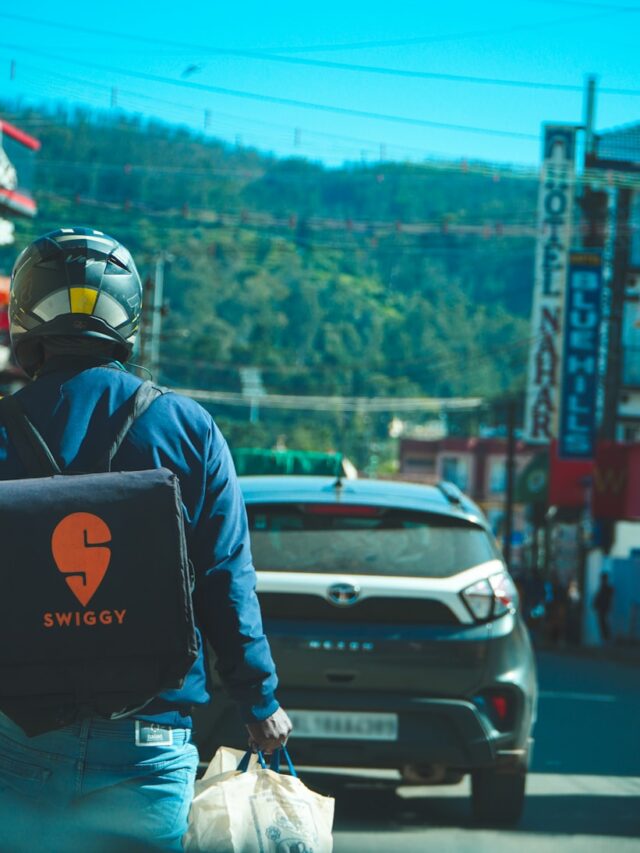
(365, 405)
(432, 75)
(402, 42)
(269, 222)
(344, 66)
(256, 220)
(372, 174)
(495, 170)
(264, 52)
(213, 117)
(360, 404)
(585, 5)
(275, 99)
(488, 352)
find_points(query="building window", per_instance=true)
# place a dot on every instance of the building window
(497, 477)
(456, 470)
(631, 367)
(420, 463)
(631, 433)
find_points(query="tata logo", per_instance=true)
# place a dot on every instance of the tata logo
(343, 594)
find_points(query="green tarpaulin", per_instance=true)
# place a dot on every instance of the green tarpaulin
(250, 460)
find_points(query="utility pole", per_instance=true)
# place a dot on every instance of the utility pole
(157, 308)
(510, 479)
(589, 115)
(617, 285)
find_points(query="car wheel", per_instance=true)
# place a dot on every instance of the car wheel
(497, 798)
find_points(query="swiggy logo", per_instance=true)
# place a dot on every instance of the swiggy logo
(80, 548)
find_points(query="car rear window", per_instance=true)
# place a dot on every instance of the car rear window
(364, 540)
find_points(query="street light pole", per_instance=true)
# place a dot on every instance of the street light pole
(510, 480)
(156, 313)
(589, 114)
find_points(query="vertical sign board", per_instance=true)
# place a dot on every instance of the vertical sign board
(634, 230)
(17, 153)
(581, 343)
(555, 205)
(616, 481)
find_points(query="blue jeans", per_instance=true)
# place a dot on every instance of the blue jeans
(98, 786)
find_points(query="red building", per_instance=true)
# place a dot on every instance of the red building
(478, 466)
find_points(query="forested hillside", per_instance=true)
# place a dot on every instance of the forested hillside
(352, 281)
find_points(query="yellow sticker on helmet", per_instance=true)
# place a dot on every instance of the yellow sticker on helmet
(83, 299)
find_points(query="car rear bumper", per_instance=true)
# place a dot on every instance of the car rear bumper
(452, 733)
(451, 726)
(449, 732)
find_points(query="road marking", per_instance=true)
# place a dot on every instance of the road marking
(577, 697)
(552, 783)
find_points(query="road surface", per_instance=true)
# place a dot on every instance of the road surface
(583, 791)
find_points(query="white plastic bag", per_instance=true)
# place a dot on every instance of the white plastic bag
(256, 811)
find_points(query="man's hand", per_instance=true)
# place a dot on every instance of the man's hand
(270, 734)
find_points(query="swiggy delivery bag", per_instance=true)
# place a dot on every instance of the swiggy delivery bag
(95, 613)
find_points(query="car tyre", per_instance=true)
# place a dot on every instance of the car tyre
(497, 797)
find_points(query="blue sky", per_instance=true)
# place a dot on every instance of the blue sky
(172, 60)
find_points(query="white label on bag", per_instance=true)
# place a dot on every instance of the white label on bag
(343, 725)
(151, 734)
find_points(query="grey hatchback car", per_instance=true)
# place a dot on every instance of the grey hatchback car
(397, 634)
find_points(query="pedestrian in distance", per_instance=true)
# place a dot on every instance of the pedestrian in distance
(534, 604)
(556, 611)
(602, 602)
(86, 781)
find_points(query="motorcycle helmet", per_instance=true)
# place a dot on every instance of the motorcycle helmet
(74, 282)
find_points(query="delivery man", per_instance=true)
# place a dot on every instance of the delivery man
(74, 314)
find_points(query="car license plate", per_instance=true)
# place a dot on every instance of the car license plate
(344, 725)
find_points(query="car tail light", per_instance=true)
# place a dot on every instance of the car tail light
(499, 706)
(479, 599)
(491, 597)
(505, 593)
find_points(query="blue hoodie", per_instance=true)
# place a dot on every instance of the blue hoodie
(78, 406)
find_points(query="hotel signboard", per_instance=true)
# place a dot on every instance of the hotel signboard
(555, 205)
(581, 343)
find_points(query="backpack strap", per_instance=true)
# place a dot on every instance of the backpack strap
(143, 398)
(32, 448)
